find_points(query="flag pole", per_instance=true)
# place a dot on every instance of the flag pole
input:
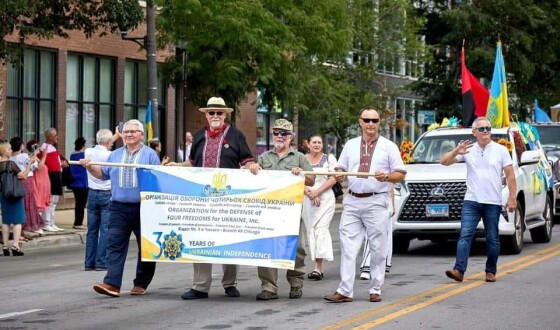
(75, 162)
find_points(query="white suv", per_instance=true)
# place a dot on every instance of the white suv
(429, 202)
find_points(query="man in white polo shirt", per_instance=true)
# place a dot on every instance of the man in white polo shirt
(98, 204)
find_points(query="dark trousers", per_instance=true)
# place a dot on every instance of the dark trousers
(124, 219)
(80, 200)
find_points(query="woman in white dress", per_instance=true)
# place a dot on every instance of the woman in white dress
(318, 207)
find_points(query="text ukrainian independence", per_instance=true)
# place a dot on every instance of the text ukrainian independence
(224, 216)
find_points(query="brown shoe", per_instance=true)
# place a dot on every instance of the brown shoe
(107, 289)
(137, 291)
(337, 298)
(454, 274)
(374, 297)
(490, 277)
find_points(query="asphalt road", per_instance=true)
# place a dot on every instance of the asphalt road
(49, 290)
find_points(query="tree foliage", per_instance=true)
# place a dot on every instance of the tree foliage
(530, 46)
(49, 18)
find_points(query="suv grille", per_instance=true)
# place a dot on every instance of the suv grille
(420, 195)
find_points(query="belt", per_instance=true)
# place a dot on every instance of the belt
(99, 190)
(364, 195)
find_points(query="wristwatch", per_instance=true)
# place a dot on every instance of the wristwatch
(386, 177)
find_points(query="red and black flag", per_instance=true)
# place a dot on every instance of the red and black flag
(475, 96)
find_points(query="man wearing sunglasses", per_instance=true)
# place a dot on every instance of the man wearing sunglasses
(284, 157)
(367, 207)
(485, 161)
(218, 145)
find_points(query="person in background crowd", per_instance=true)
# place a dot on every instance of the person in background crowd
(13, 212)
(79, 185)
(124, 210)
(184, 149)
(41, 181)
(486, 162)
(367, 205)
(99, 197)
(33, 221)
(284, 157)
(304, 146)
(54, 167)
(217, 145)
(318, 207)
(156, 145)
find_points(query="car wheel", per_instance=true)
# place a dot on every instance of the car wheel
(514, 244)
(543, 234)
(400, 244)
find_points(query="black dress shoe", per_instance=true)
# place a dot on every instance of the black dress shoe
(232, 291)
(194, 294)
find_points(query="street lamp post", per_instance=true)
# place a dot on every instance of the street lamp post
(148, 42)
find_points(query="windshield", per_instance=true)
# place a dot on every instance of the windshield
(549, 135)
(430, 148)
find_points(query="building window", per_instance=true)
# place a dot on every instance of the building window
(90, 99)
(136, 96)
(31, 95)
(265, 120)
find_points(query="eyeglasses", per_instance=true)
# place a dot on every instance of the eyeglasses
(484, 129)
(370, 120)
(212, 113)
(131, 131)
(284, 134)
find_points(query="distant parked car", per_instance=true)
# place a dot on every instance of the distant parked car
(550, 140)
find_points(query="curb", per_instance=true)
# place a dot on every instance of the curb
(54, 241)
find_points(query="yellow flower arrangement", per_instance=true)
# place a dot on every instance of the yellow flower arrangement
(506, 143)
(406, 149)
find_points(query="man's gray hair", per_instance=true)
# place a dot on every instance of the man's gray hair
(475, 123)
(49, 131)
(103, 136)
(135, 122)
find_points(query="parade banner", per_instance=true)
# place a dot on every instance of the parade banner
(223, 216)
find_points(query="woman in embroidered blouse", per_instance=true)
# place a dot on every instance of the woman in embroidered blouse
(318, 207)
(13, 213)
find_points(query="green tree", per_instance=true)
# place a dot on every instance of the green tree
(49, 18)
(530, 47)
(235, 47)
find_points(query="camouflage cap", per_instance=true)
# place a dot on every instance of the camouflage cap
(283, 124)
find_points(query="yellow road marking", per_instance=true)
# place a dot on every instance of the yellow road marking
(424, 299)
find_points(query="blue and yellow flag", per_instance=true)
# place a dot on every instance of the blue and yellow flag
(498, 109)
(149, 127)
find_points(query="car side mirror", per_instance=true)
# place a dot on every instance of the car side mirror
(530, 157)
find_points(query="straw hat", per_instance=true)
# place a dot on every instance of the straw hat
(216, 104)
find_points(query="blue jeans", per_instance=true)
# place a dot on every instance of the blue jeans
(97, 220)
(125, 219)
(490, 214)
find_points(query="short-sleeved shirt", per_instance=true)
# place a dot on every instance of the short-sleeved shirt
(124, 181)
(270, 160)
(484, 172)
(226, 150)
(386, 158)
(21, 160)
(98, 153)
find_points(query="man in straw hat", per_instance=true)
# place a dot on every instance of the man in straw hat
(283, 157)
(367, 207)
(218, 145)
(124, 209)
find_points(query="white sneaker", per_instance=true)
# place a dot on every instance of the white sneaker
(39, 231)
(365, 276)
(49, 228)
(57, 229)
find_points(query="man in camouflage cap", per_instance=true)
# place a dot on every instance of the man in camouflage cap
(283, 157)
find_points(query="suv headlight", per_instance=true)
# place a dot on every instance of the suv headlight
(400, 188)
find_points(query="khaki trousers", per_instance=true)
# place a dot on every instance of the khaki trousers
(202, 276)
(269, 276)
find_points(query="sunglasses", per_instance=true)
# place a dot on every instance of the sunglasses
(284, 134)
(370, 120)
(212, 113)
(484, 129)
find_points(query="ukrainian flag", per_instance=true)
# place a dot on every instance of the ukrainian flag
(498, 109)
(149, 127)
